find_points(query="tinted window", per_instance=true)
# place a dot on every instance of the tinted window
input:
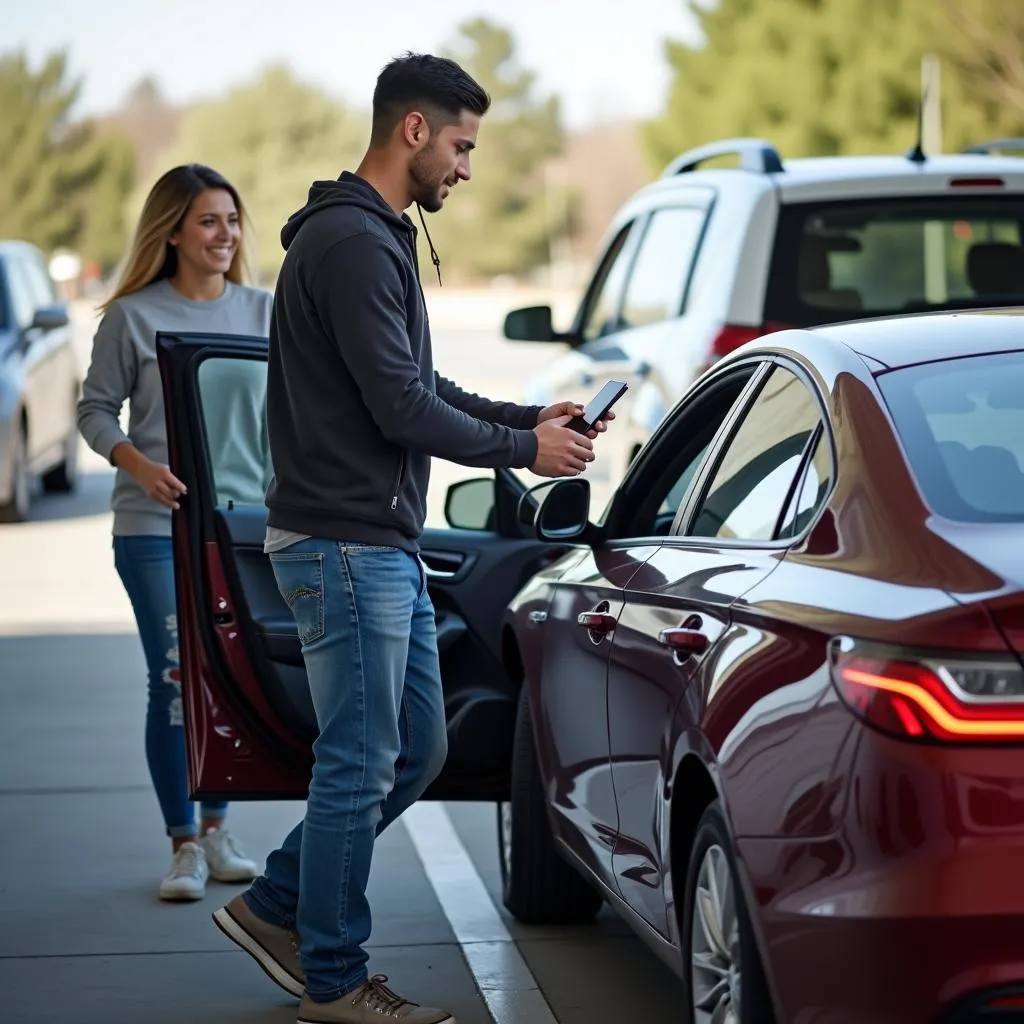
(40, 287)
(839, 261)
(232, 398)
(752, 481)
(661, 270)
(812, 492)
(962, 424)
(603, 309)
(23, 306)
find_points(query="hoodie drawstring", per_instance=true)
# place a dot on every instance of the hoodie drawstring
(434, 258)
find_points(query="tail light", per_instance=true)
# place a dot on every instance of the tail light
(731, 336)
(956, 699)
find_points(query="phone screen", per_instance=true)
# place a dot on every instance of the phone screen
(602, 401)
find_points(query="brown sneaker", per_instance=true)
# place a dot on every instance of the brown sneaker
(275, 949)
(369, 1005)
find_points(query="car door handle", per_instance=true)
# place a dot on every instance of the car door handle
(684, 641)
(596, 622)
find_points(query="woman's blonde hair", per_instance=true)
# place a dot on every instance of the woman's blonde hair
(151, 256)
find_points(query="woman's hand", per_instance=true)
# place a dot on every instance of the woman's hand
(159, 483)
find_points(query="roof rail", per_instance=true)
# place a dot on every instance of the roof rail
(996, 146)
(757, 155)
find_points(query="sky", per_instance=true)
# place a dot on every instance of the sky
(604, 58)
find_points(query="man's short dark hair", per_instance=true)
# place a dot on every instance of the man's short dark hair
(436, 86)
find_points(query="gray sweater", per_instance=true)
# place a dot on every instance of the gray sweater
(124, 368)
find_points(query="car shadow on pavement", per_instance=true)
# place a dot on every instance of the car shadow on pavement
(91, 497)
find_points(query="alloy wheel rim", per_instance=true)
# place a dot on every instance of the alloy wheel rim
(714, 943)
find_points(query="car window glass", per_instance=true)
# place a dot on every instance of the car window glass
(962, 424)
(666, 469)
(602, 314)
(671, 503)
(841, 260)
(756, 471)
(22, 306)
(40, 287)
(657, 282)
(813, 489)
(232, 401)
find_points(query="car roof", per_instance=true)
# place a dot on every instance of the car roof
(822, 177)
(11, 246)
(928, 337)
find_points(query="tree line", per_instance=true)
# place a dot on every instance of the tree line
(817, 77)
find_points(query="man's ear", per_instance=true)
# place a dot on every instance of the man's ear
(416, 129)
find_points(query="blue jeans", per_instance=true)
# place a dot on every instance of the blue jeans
(369, 642)
(146, 567)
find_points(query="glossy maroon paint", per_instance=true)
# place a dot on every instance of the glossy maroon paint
(883, 876)
(219, 746)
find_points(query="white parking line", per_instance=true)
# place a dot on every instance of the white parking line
(502, 975)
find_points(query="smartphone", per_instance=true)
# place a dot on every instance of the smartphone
(597, 408)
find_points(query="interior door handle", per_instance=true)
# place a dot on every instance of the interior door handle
(441, 565)
(596, 622)
(684, 641)
(438, 574)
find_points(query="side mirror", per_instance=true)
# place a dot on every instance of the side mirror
(530, 324)
(564, 510)
(49, 318)
(469, 504)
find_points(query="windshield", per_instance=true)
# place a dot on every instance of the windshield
(844, 260)
(962, 424)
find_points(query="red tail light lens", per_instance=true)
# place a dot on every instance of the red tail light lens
(977, 183)
(955, 699)
(731, 336)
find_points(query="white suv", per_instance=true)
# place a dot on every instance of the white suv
(701, 261)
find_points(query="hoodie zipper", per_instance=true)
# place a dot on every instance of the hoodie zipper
(398, 483)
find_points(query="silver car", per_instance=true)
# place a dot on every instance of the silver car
(39, 383)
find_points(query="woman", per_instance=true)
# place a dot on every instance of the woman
(184, 272)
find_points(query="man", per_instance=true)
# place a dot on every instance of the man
(355, 411)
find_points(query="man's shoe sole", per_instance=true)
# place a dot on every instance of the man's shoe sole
(309, 1020)
(241, 938)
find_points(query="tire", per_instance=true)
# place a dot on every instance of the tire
(730, 987)
(63, 477)
(538, 886)
(16, 510)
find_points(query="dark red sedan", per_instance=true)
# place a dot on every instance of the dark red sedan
(770, 705)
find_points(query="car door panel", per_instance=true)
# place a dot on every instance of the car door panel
(250, 720)
(570, 703)
(679, 586)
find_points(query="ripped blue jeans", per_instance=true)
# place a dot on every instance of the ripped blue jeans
(146, 567)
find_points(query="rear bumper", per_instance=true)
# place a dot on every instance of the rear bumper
(913, 913)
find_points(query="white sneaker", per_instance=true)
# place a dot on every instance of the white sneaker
(187, 878)
(225, 857)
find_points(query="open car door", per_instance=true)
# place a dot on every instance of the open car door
(249, 718)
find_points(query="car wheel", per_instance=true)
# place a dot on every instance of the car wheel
(62, 478)
(726, 978)
(16, 510)
(538, 886)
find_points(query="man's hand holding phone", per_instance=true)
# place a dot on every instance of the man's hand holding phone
(574, 410)
(561, 451)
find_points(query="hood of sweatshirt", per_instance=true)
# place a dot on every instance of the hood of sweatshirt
(351, 190)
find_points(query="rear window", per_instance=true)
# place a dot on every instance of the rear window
(962, 424)
(844, 260)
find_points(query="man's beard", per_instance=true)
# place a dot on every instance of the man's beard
(426, 184)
